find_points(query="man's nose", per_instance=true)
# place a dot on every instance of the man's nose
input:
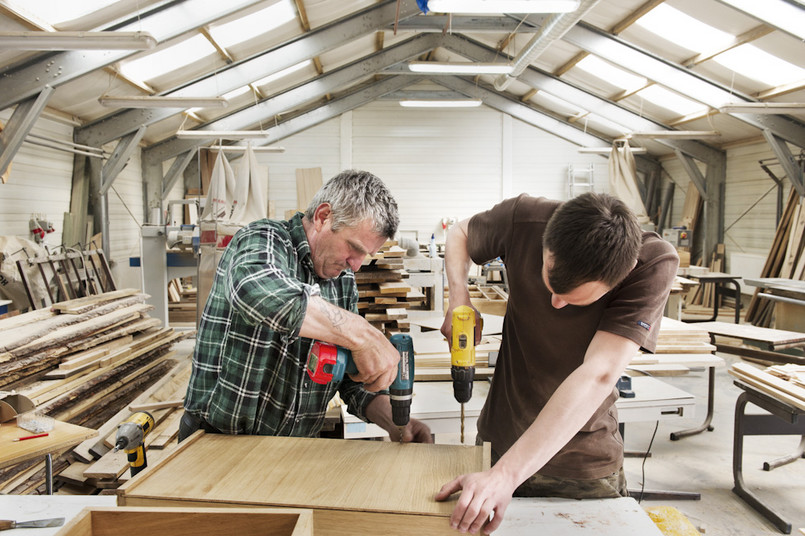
(557, 302)
(355, 263)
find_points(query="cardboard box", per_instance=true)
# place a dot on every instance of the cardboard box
(99, 521)
(13, 404)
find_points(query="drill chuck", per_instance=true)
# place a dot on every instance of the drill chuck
(462, 383)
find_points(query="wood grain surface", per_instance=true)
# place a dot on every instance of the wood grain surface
(372, 476)
(63, 435)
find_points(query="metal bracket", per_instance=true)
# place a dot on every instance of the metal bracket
(787, 160)
(125, 148)
(20, 124)
(175, 171)
(693, 172)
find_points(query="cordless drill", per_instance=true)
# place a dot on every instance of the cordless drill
(462, 356)
(131, 436)
(327, 362)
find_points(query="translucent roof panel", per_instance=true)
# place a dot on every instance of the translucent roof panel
(162, 61)
(677, 27)
(751, 62)
(784, 15)
(670, 101)
(614, 75)
(280, 74)
(57, 11)
(254, 24)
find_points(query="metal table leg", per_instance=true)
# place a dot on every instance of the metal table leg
(783, 421)
(799, 453)
(711, 382)
(49, 474)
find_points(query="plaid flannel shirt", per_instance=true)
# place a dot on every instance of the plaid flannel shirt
(248, 373)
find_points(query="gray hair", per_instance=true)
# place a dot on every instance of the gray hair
(355, 196)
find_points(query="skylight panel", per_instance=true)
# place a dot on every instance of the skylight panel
(162, 61)
(55, 12)
(561, 104)
(609, 73)
(682, 29)
(779, 13)
(254, 24)
(670, 100)
(280, 74)
(602, 123)
(752, 62)
(236, 92)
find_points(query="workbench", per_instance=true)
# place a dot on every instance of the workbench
(434, 404)
(32, 507)
(789, 298)
(719, 279)
(62, 437)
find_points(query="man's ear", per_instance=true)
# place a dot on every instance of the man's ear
(321, 214)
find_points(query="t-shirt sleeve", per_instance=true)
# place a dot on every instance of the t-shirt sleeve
(637, 305)
(489, 232)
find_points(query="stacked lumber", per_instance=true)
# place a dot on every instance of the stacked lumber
(384, 295)
(81, 361)
(677, 337)
(96, 466)
(432, 357)
(782, 382)
(488, 299)
(785, 259)
(704, 295)
(182, 300)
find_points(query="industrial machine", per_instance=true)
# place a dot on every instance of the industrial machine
(131, 438)
(679, 237)
(462, 356)
(327, 362)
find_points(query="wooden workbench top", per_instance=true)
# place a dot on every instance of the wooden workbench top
(64, 435)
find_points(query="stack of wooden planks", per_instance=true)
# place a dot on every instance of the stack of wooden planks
(384, 296)
(678, 338)
(786, 383)
(488, 299)
(785, 259)
(182, 301)
(82, 360)
(704, 294)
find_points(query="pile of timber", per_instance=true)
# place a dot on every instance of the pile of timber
(785, 259)
(384, 296)
(182, 300)
(701, 298)
(82, 361)
(432, 357)
(488, 299)
(677, 337)
(784, 382)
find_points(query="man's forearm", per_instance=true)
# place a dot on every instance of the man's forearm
(457, 263)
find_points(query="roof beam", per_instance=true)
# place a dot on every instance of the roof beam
(678, 78)
(516, 109)
(120, 156)
(464, 24)
(242, 73)
(592, 103)
(787, 160)
(294, 97)
(20, 83)
(175, 171)
(20, 124)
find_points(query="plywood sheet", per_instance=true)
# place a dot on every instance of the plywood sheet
(369, 476)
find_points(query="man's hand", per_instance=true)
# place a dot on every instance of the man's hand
(415, 431)
(482, 495)
(447, 325)
(376, 360)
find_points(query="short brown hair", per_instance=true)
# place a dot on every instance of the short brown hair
(593, 237)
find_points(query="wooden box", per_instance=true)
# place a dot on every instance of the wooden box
(99, 521)
(353, 487)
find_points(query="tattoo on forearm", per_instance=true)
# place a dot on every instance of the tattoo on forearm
(334, 314)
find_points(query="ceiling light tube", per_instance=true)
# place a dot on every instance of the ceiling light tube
(163, 102)
(608, 150)
(242, 148)
(440, 103)
(40, 40)
(503, 6)
(221, 134)
(680, 134)
(764, 108)
(459, 67)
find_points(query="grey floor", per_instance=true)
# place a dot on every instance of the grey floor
(703, 463)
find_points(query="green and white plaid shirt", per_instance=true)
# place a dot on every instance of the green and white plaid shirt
(248, 372)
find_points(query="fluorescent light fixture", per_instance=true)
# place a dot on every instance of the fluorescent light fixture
(503, 6)
(464, 67)
(221, 134)
(242, 148)
(143, 101)
(764, 108)
(40, 40)
(440, 103)
(678, 134)
(608, 150)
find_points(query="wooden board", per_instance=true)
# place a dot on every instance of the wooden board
(63, 435)
(360, 476)
(776, 339)
(777, 387)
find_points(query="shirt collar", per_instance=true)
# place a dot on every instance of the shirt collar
(299, 238)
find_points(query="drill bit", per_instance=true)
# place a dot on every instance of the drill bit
(462, 424)
(401, 428)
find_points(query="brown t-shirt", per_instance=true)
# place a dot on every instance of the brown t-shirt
(543, 345)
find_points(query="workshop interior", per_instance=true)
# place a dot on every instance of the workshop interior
(141, 139)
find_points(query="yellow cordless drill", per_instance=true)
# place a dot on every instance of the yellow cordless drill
(462, 356)
(131, 436)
